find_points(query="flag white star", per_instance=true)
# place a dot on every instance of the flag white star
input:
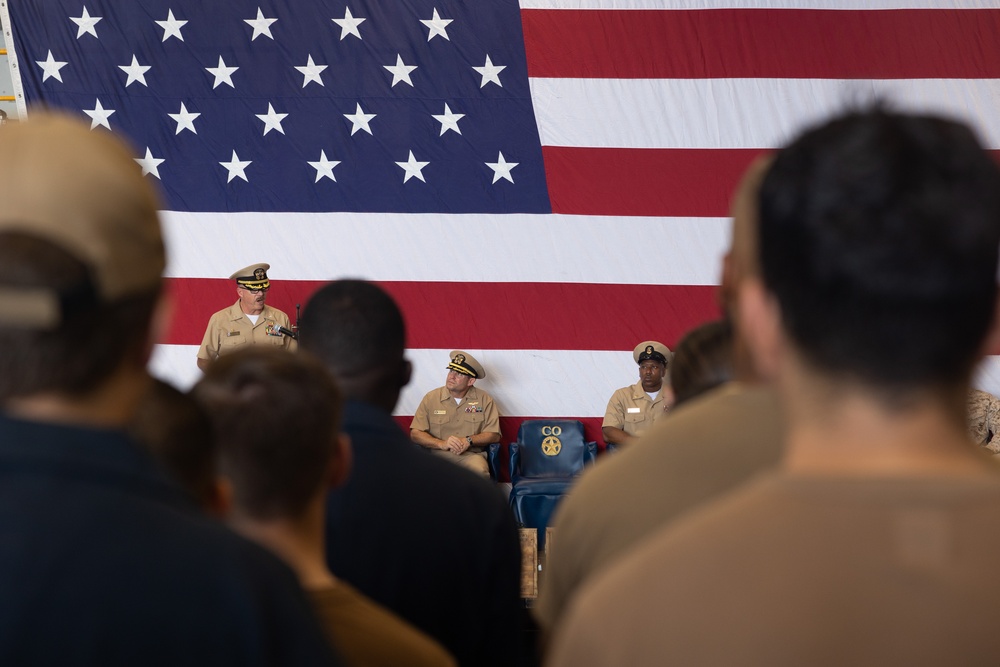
(222, 74)
(136, 72)
(260, 25)
(412, 168)
(349, 25)
(171, 27)
(448, 120)
(501, 168)
(400, 72)
(359, 120)
(85, 24)
(184, 119)
(436, 26)
(272, 120)
(99, 115)
(50, 67)
(150, 164)
(236, 168)
(490, 72)
(324, 167)
(311, 72)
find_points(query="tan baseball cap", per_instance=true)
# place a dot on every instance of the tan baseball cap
(82, 191)
(466, 364)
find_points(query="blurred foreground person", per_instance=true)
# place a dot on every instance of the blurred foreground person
(431, 540)
(103, 561)
(280, 462)
(875, 542)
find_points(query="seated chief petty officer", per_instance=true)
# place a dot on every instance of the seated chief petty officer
(248, 321)
(457, 421)
(632, 410)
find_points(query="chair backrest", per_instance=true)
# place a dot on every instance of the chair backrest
(551, 448)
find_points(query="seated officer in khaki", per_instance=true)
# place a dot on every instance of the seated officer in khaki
(248, 321)
(458, 420)
(634, 409)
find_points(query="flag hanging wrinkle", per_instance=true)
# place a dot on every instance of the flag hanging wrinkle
(543, 183)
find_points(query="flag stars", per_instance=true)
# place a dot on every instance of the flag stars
(171, 27)
(360, 120)
(272, 120)
(85, 23)
(150, 164)
(223, 74)
(436, 26)
(236, 168)
(412, 168)
(99, 115)
(501, 168)
(50, 68)
(448, 120)
(490, 73)
(324, 167)
(400, 71)
(136, 72)
(260, 25)
(311, 72)
(184, 119)
(349, 25)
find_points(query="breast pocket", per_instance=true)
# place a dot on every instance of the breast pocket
(230, 343)
(635, 417)
(437, 419)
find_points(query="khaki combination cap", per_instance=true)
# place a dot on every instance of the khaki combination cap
(466, 364)
(253, 276)
(651, 349)
(83, 192)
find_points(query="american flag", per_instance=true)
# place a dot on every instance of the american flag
(543, 183)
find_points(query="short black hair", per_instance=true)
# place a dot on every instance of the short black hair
(878, 237)
(276, 417)
(703, 360)
(353, 326)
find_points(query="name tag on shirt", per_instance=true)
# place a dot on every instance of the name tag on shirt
(633, 410)
(233, 333)
(440, 412)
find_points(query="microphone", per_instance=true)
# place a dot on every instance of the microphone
(286, 332)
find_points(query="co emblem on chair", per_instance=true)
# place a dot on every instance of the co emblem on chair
(551, 445)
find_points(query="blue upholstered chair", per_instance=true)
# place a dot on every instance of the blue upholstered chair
(545, 460)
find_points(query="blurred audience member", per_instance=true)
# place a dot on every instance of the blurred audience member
(277, 423)
(432, 541)
(703, 360)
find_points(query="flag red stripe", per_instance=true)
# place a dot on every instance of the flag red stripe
(643, 181)
(760, 43)
(501, 316)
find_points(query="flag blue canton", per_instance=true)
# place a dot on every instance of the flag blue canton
(485, 129)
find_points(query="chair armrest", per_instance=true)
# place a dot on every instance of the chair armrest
(591, 453)
(515, 460)
(493, 460)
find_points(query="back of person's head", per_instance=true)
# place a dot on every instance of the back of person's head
(357, 330)
(81, 257)
(276, 422)
(178, 433)
(703, 360)
(878, 237)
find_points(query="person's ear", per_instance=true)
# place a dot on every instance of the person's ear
(219, 502)
(341, 461)
(760, 325)
(159, 323)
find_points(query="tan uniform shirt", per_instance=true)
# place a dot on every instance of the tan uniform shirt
(706, 447)
(230, 330)
(799, 570)
(439, 415)
(984, 420)
(367, 634)
(631, 410)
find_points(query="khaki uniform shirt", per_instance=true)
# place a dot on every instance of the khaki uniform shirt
(230, 330)
(631, 410)
(439, 415)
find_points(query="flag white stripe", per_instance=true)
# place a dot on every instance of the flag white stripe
(736, 113)
(495, 248)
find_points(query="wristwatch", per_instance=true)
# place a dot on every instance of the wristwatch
(468, 439)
